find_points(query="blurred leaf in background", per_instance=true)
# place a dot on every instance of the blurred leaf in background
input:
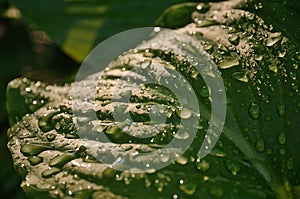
(80, 25)
(74, 26)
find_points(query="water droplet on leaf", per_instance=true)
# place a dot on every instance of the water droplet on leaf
(188, 187)
(260, 145)
(281, 137)
(228, 63)
(216, 191)
(254, 111)
(62, 159)
(184, 113)
(240, 76)
(50, 172)
(34, 160)
(31, 149)
(233, 167)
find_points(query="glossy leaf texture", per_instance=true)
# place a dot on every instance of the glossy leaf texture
(257, 155)
(77, 26)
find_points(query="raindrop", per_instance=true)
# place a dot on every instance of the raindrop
(34, 160)
(62, 159)
(216, 191)
(145, 64)
(203, 7)
(202, 165)
(21, 170)
(113, 130)
(260, 145)
(27, 89)
(204, 92)
(273, 68)
(188, 187)
(181, 135)
(45, 122)
(228, 63)
(50, 172)
(254, 111)
(272, 41)
(184, 113)
(50, 136)
(282, 151)
(281, 110)
(110, 173)
(240, 76)
(31, 149)
(164, 158)
(182, 160)
(26, 134)
(208, 47)
(234, 39)
(194, 74)
(281, 137)
(205, 22)
(233, 167)
(290, 163)
(258, 57)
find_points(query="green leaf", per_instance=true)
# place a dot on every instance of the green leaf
(257, 155)
(77, 26)
(282, 14)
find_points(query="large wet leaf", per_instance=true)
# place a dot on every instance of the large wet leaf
(257, 155)
(77, 26)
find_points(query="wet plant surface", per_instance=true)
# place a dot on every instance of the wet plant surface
(256, 156)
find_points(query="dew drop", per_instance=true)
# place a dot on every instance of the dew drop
(195, 74)
(232, 167)
(281, 137)
(184, 113)
(62, 159)
(45, 122)
(290, 163)
(164, 158)
(272, 41)
(258, 57)
(254, 111)
(205, 22)
(182, 160)
(204, 92)
(188, 187)
(234, 39)
(228, 63)
(35, 160)
(260, 145)
(240, 76)
(216, 191)
(21, 170)
(273, 68)
(282, 151)
(50, 137)
(113, 130)
(32, 149)
(281, 110)
(181, 135)
(50, 172)
(110, 173)
(145, 64)
(202, 165)
(208, 47)
(203, 7)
